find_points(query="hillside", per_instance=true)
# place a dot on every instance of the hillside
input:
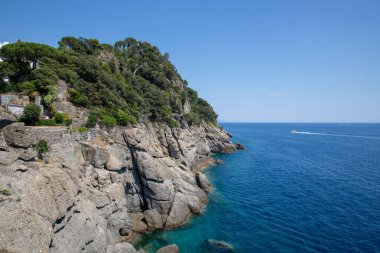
(117, 151)
(122, 84)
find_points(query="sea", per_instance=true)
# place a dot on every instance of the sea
(314, 190)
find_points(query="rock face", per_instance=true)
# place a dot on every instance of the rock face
(92, 189)
(6, 118)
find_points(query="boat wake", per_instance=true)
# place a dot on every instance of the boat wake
(338, 135)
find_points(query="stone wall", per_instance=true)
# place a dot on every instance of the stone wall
(6, 99)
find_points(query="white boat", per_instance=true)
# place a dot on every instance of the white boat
(293, 131)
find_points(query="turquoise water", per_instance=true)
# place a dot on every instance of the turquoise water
(306, 192)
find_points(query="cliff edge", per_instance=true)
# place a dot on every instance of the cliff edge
(111, 145)
(89, 191)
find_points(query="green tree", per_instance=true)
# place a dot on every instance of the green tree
(26, 52)
(31, 114)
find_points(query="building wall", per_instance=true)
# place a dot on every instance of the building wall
(6, 99)
(16, 110)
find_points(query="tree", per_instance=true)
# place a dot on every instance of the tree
(25, 52)
(31, 114)
(166, 56)
(81, 45)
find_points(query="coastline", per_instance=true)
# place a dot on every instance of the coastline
(200, 164)
(128, 180)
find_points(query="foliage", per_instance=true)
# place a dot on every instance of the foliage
(121, 84)
(24, 54)
(46, 122)
(62, 118)
(31, 114)
(78, 98)
(82, 130)
(28, 87)
(42, 147)
(172, 123)
(125, 118)
(108, 120)
(6, 192)
(91, 120)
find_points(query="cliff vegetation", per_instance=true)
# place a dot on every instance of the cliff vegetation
(120, 84)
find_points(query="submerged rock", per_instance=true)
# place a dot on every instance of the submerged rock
(169, 249)
(218, 246)
(219, 161)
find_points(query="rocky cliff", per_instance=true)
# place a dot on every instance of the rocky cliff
(92, 190)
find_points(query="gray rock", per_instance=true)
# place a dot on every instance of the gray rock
(119, 158)
(28, 155)
(179, 212)
(90, 189)
(203, 182)
(6, 118)
(238, 145)
(153, 219)
(16, 135)
(121, 248)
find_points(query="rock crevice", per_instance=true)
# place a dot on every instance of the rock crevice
(90, 190)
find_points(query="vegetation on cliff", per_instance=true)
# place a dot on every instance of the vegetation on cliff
(121, 84)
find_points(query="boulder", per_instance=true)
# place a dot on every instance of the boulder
(203, 182)
(16, 135)
(179, 212)
(6, 118)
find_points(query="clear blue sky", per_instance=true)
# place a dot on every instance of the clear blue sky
(254, 61)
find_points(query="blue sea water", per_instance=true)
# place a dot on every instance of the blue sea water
(287, 192)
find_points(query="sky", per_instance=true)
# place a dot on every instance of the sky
(254, 61)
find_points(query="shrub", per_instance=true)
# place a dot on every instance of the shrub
(46, 122)
(108, 120)
(62, 118)
(6, 192)
(82, 130)
(78, 98)
(125, 118)
(31, 114)
(42, 147)
(67, 121)
(59, 117)
(172, 123)
(91, 121)
(192, 119)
